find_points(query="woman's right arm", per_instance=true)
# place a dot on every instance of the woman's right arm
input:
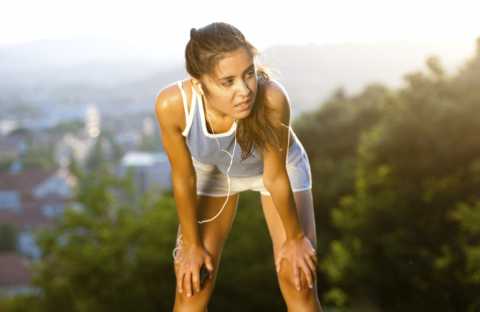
(183, 173)
(168, 111)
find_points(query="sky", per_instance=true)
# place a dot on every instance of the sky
(165, 25)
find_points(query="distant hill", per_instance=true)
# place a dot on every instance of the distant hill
(312, 72)
(72, 73)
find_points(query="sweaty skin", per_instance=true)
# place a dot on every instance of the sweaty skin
(233, 82)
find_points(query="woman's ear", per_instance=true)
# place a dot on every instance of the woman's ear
(198, 86)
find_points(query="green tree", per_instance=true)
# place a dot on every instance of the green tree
(40, 156)
(108, 253)
(330, 136)
(408, 234)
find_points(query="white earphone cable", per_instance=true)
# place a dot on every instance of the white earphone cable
(179, 241)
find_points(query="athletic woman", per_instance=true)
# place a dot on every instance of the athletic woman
(226, 129)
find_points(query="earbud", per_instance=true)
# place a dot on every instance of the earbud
(199, 87)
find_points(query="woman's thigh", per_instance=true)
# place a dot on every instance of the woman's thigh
(306, 213)
(213, 235)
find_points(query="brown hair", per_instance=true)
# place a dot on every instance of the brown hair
(207, 45)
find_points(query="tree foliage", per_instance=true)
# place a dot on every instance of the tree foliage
(400, 189)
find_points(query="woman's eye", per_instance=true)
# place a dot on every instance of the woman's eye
(251, 74)
(227, 84)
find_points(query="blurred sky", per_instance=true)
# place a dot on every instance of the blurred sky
(165, 25)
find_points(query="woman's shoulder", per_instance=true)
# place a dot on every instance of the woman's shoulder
(276, 96)
(171, 95)
(169, 102)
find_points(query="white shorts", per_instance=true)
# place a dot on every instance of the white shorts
(212, 182)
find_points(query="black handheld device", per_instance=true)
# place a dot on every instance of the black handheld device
(203, 275)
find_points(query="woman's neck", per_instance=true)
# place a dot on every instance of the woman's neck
(216, 114)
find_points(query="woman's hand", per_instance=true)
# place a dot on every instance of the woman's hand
(302, 256)
(188, 264)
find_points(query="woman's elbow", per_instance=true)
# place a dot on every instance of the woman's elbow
(270, 180)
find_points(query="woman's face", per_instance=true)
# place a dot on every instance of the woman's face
(232, 88)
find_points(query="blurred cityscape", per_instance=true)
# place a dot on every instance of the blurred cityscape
(36, 183)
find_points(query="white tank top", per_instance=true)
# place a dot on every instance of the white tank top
(204, 148)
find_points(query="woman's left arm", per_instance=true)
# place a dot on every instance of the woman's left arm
(297, 249)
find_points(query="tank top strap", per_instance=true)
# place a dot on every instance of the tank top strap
(188, 114)
(184, 97)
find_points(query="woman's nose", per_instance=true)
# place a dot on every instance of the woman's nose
(243, 88)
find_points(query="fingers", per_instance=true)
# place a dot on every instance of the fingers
(308, 268)
(209, 264)
(308, 273)
(296, 276)
(277, 264)
(180, 281)
(188, 284)
(313, 255)
(210, 267)
(312, 264)
(196, 280)
(280, 256)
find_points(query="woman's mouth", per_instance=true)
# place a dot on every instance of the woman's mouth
(243, 105)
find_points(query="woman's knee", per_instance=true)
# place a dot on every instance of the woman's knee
(198, 301)
(287, 283)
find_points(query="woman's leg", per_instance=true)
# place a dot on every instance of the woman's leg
(213, 235)
(305, 299)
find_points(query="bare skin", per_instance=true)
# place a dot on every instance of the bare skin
(306, 299)
(290, 216)
(213, 236)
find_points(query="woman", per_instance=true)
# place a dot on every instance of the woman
(228, 101)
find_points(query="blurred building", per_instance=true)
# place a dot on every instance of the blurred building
(29, 200)
(32, 199)
(128, 139)
(148, 126)
(14, 144)
(151, 171)
(7, 125)
(8, 150)
(15, 274)
(72, 146)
